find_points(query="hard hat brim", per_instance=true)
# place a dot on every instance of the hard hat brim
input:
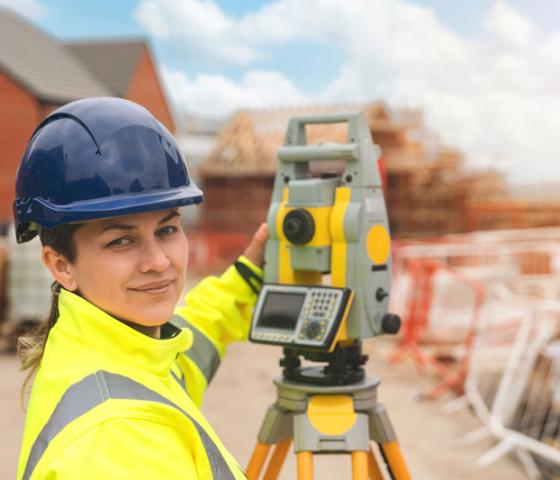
(53, 215)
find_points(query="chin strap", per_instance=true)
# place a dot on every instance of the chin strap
(251, 278)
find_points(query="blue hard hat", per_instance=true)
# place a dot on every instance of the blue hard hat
(97, 158)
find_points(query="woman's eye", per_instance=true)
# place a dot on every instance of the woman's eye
(168, 230)
(119, 242)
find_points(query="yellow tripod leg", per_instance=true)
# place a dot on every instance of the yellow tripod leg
(277, 459)
(359, 465)
(395, 460)
(373, 466)
(257, 461)
(305, 465)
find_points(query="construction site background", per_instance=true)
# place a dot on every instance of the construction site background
(429, 191)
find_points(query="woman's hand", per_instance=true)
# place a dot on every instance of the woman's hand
(255, 251)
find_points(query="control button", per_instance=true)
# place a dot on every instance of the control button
(312, 330)
(390, 323)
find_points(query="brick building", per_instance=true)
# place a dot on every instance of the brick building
(38, 74)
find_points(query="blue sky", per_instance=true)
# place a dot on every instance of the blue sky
(486, 73)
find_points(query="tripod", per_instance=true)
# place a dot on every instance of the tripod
(331, 409)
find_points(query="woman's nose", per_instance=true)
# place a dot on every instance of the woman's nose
(154, 258)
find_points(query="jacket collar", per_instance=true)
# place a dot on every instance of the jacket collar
(96, 329)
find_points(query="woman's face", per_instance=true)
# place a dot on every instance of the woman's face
(133, 267)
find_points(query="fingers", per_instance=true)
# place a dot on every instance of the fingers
(261, 234)
(255, 251)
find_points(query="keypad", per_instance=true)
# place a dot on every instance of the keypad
(319, 311)
(322, 303)
(317, 319)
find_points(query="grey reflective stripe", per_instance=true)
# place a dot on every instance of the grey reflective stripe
(181, 381)
(97, 388)
(203, 352)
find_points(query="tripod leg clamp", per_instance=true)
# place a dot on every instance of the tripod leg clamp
(277, 426)
(380, 428)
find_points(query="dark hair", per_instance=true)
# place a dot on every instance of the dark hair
(32, 345)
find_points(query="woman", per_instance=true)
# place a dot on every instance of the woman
(120, 371)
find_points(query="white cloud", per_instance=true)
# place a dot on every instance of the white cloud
(496, 97)
(199, 28)
(508, 25)
(216, 95)
(550, 49)
(26, 8)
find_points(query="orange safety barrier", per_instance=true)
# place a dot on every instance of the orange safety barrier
(416, 323)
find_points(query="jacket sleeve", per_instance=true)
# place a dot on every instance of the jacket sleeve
(217, 311)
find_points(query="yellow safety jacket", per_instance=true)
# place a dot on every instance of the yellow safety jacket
(109, 402)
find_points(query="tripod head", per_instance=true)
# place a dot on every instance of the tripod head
(328, 260)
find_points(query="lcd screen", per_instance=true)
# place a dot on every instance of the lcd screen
(281, 310)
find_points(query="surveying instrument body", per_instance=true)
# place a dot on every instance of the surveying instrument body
(327, 280)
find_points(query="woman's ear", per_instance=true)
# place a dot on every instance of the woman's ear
(61, 269)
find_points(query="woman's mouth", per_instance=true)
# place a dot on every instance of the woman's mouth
(154, 288)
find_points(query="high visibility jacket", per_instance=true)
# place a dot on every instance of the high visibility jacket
(110, 402)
